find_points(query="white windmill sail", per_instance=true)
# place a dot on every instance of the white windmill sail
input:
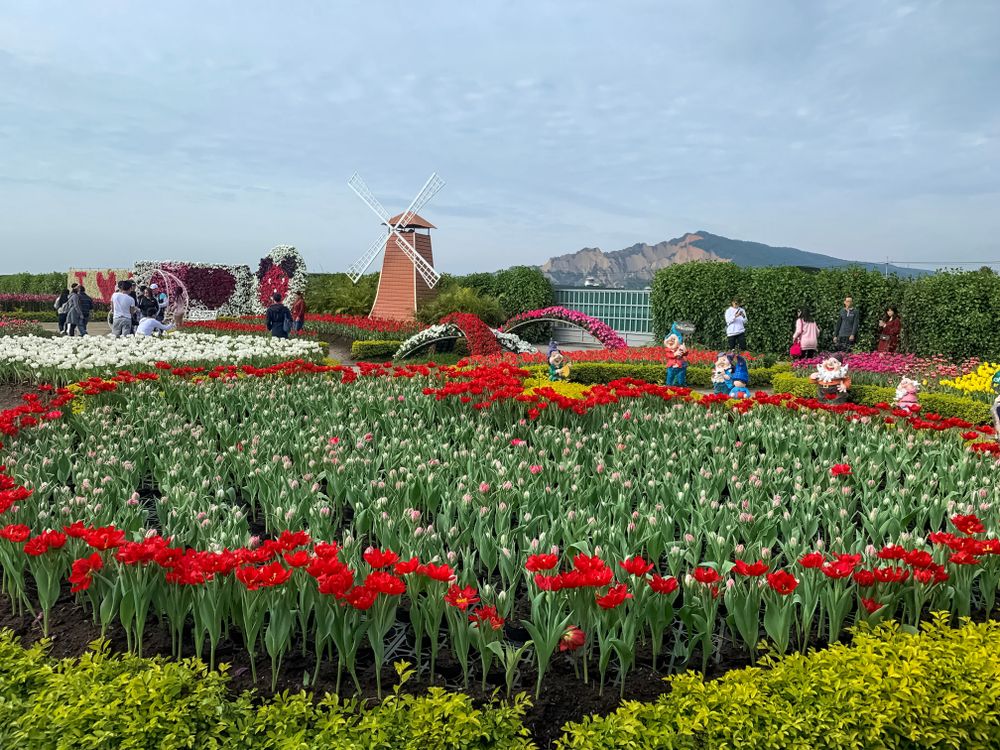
(425, 269)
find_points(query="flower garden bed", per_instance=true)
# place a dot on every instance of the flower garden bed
(62, 360)
(332, 521)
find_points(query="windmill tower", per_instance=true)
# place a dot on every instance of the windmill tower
(408, 276)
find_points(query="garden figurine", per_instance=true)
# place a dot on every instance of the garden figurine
(676, 357)
(832, 379)
(722, 381)
(558, 364)
(740, 376)
(906, 395)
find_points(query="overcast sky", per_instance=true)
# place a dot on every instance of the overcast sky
(212, 131)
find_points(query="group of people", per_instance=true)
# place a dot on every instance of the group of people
(281, 321)
(805, 337)
(138, 310)
(74, 306)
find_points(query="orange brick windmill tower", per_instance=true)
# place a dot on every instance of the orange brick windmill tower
(408, 276)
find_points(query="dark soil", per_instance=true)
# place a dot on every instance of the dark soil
(565, 697)
(10, 395)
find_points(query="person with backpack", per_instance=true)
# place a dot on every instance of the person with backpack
(62, 309)
(86, 307)
(279, 318)
(806, 335)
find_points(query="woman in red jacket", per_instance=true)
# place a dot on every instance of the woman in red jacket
(888, 340)
(298, 313)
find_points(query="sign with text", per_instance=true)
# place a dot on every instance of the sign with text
(100, 283)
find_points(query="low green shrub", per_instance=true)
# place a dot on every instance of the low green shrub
(888, 689)
(374, 351)
(947, 405)
(102, 701)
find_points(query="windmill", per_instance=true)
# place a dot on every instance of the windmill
(408, 276)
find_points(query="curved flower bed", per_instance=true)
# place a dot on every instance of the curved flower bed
(843, 515)
(478, 335)
(595, 327)
(484, 341)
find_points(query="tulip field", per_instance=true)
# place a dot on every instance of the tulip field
(446, 514)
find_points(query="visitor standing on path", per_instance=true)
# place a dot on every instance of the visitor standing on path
(806, 333)
(736, 326)
(86, 307)
(298, 313)
(74, 315)
(846, 332)
(279, 318)
(122, 306)
(161, 301)
(62, 309)
(892, 327)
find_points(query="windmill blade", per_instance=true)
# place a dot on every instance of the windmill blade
(358, 186)
(361, 264)
(425, 269)
(428, 191)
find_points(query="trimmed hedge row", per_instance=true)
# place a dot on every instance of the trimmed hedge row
(374, 351)
(888, 689)
(976, 412)
(948, 313)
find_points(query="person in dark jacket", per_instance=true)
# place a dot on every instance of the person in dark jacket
(846, 332)
(86, 307)
(148, 306)
(279, 318)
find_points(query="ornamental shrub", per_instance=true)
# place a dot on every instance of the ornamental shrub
(33, 283)
(888, 689)
(374, 351)
(955, 314)
(948, 313)
(336, 294)
(460, 299)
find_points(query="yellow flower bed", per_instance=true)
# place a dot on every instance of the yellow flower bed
(562, 387)
(980, 381)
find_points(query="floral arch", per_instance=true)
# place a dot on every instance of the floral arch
(594, 326)
(482, 339)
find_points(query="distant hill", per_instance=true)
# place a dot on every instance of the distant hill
(634, 266)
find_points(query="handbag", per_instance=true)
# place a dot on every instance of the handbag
(795, 350)
(286, 324)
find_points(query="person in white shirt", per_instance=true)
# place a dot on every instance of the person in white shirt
(122, 307)
(150, 325)
(736, 326)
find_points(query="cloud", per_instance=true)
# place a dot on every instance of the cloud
(565, 127)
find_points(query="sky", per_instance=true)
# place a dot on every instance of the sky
(213, 131)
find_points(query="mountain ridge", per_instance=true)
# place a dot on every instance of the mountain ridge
(634, 266)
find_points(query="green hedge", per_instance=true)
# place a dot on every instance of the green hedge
(33, 283)
(945, 404)
(336, 294)
(701, 291)
(888, 689)
(109, 701)
(374, 351)
(697, 377)
(954, 314)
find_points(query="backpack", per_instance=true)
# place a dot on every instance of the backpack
(286, 324)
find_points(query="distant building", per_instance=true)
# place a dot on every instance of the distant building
(591, 281)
